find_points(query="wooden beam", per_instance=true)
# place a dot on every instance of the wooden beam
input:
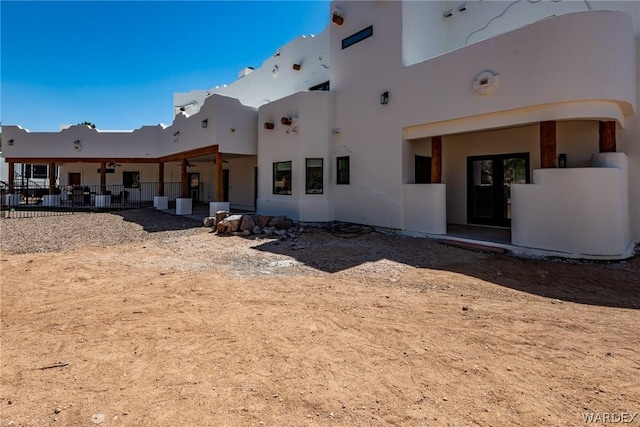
(161, 179)
(184, 185)
(12, 176)
(219, 177)
(436, 159)
(103, 177)
(204, 151)
(607, 137)
(52, 178)
(548, 157)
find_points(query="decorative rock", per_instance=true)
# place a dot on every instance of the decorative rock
(280, 232)
(281, 222)
(262, 220)
(210, 221)
(268, 230)
(256, 230)
(246, 233)
(229, 224)
(248, 223)
(220, 215)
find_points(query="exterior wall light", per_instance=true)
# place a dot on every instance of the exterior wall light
(77, 145)
(176, 135)
(286, 121)
(296, 67)
(384, 98)
(11, 142)
(462, 7)
(448, 13)
(337, 18)
(205, 123)
(269, 125)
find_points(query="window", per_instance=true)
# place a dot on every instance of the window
(131, 179)
(423, 170)
(282, 178)
(343, 170)
(314, 176)
(326, 86)
(357, 37)
(40, 171)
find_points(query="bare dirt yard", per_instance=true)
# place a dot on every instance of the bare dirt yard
(143, 318)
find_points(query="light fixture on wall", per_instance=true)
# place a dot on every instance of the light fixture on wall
(176, 136)
(232, 130)
(462, 7)
(297, 67)
(77, 145)
(562, 161)
(205, 123)
(269, 125)
(11, 142)
(336, 130)
(337, 17)
(286, 121)
(448, 13)
(384, 98)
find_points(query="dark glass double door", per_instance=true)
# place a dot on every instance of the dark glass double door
(489, 180)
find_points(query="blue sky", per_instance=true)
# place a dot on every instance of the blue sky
(117, 63)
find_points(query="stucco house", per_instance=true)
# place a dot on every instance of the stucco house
(410, 116)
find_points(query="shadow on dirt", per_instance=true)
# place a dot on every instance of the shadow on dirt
(611, 284)
(154, 221)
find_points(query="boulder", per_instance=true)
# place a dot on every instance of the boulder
(256, 230)
(281, 222)
(248, 223)
(210, 221)
(229, 225)
(220, 215)
(262, 220)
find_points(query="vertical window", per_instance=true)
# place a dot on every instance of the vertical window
(282, 178)
(423, 170)
(131, 179)
(343, 170)
(314, 176)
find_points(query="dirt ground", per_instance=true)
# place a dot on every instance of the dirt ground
(202, 330)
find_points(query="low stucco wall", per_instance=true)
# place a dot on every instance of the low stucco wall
(581, 211)
(425, 208)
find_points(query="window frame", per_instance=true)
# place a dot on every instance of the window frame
(341, 180)
(355, 38)
(275, 177)
(307, 177)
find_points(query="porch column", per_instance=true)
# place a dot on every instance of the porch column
(608, 137)
(52, 178)
(161, 179)
(184, 185)
(11, 177)
(436, 159)
(103, 177)
(219, 177)
(548, 157)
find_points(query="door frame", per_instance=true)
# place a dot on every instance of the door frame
(498, 218)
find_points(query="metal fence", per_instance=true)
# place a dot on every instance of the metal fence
(27, 203)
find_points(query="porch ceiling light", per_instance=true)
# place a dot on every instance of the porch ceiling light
(286, 121)
(205, 123)
(269, 125)
(297, 67)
